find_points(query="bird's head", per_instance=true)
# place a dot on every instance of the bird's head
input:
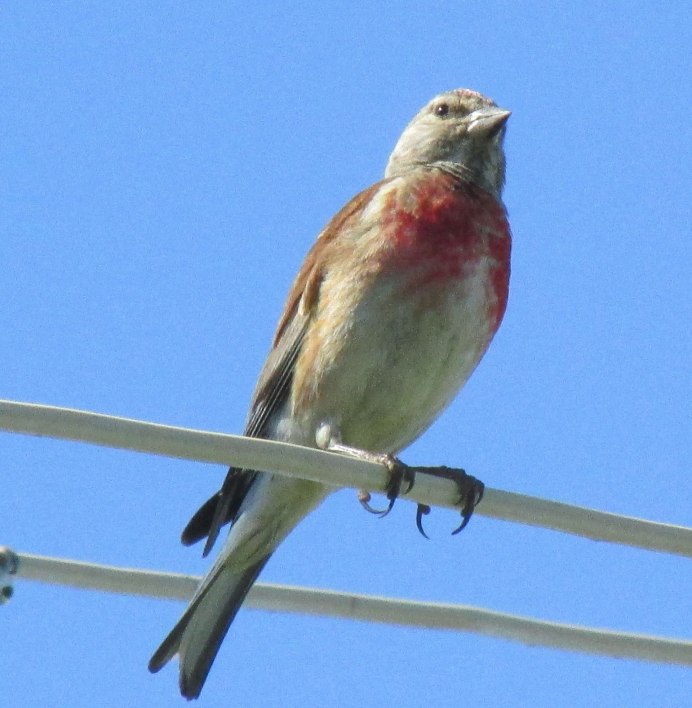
(462, 128)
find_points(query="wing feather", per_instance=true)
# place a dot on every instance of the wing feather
(274, 385)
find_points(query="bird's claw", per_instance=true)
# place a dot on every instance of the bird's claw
(470, 494)
(470, 490)
(421, 511)
(398, 474)
(364, 498)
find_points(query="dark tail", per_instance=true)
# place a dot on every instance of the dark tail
(198, 634)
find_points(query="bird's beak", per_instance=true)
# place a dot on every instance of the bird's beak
(488, 121)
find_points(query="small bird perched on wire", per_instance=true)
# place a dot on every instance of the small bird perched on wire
(393, 308)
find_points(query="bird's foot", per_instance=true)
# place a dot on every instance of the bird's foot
(399, 473)
(470, 488)
(470, 493)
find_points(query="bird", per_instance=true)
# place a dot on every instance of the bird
(393, 308)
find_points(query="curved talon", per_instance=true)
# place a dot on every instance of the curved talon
(470, 490)
(398, 474)
(376, 512)
(470, 500)
(465, 518)
(389, 507)
(409, 476)
(421, 511)
(364, 499)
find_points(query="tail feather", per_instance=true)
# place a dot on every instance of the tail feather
(198, 634)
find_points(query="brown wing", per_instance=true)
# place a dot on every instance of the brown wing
(274, 384)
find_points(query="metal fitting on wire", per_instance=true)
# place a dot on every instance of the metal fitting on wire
(9, 562)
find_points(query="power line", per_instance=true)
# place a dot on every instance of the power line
(333, 469)
(340, 471)
(429, 615)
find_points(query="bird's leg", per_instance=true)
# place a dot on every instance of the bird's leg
(470, 494)
(398, 474)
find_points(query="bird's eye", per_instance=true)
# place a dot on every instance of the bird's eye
(441, 109)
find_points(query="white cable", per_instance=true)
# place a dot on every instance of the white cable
(333, 469)
(286, 598)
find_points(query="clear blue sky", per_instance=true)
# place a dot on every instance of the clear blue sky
(163, 170)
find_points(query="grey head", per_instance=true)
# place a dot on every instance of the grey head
(461, 131)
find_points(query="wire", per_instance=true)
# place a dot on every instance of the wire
(337, 470)
(333, 469)
(287, 598)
